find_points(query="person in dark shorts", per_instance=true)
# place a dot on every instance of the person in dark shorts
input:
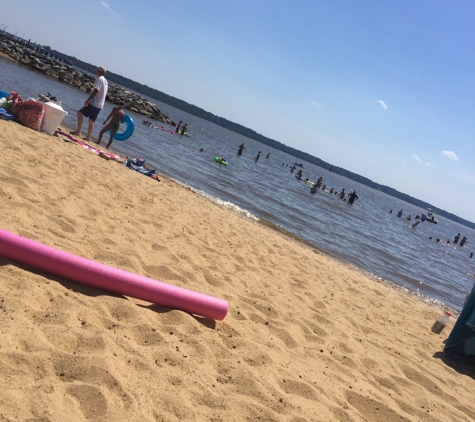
(117, 117)
(94, 104)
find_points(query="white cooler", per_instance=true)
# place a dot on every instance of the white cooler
(54, 115)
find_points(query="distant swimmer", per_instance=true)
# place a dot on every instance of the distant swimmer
(408, 218)
(463, 241)
(351, 197)
(399, 213)
(319, 182)
(178, 126)
(342, 194)
(257, 157)
(240, 149)
(456, 238)
(268, 155)
(471, 254)
(416, 224)
(299, 174)
(183, 129)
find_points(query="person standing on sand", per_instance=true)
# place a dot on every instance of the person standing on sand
(117, 117)
(94, 104)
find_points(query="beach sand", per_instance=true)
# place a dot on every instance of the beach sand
(307, 338)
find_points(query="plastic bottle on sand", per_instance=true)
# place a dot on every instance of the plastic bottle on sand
(441, 322)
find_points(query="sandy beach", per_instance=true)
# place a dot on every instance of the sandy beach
(307, 338)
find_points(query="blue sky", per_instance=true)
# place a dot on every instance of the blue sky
(382, 88)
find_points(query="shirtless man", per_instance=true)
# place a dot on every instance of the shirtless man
(117, 117)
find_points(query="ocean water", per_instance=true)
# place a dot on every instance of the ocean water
(365, 235)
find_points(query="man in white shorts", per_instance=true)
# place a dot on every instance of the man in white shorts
(94, 104)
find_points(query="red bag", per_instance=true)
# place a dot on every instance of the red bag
(30, 114)
(15, 100)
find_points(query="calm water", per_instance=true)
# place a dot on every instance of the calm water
(365, 235)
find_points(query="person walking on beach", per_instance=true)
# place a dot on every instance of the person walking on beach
(94, 104)
(240, 149)
(257, 157)
(117, 117)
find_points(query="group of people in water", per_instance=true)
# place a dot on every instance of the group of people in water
(180, 129)
(457, 238)
(350, 198)
(462, 242)
(241, 148)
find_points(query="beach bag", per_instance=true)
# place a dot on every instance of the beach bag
(15, 100)
(30, 114)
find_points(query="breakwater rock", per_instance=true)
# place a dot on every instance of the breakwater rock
(55, 68)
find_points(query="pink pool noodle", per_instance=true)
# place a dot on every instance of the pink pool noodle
(99, 275)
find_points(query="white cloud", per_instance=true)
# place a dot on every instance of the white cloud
(382, 103)
(106, 5)
(426, 164)
(404, 162)
(316, 104)
(450, 155)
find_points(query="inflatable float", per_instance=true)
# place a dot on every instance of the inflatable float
(93, 273)
(128, 132)
(221, 160)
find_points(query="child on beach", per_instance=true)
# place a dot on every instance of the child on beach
(117, 117)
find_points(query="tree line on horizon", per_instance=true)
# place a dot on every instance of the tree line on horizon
(249, 133)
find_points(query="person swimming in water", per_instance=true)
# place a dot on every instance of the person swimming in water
(178, 126)
(257, 157)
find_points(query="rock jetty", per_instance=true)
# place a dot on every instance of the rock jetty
(57, 69)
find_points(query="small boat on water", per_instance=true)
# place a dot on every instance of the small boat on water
(429, 216)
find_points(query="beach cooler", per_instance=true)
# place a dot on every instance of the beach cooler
(54, 115)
